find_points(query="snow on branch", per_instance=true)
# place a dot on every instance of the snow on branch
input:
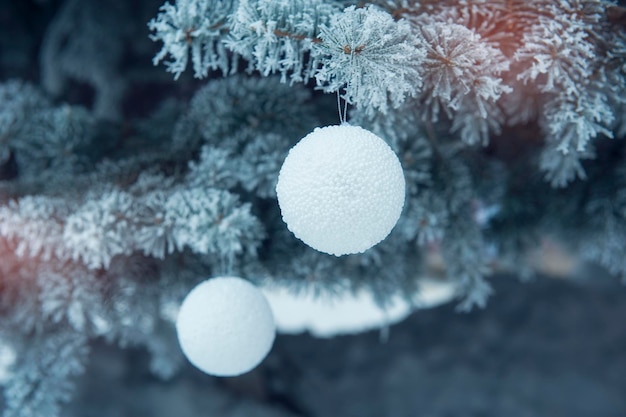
(561, 168)
(33, 226)
(556, 54)
(459, 64)
(100, 229)
(573, 123)
(374, 58)
(72, 295)
(17, 101)
(45, 371)
(212, 222)
(115, 222)
(196, 28)
(277, 36)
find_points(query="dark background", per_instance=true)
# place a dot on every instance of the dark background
(546, 348)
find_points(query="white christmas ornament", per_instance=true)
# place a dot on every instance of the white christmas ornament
(341, 189)
(225, 326)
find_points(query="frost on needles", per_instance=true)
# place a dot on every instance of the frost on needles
(508, 118)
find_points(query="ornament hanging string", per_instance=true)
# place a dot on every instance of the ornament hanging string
(226, 264)
(343, 114)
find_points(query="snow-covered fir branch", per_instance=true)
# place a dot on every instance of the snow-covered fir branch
(191, 27)
(374, 58)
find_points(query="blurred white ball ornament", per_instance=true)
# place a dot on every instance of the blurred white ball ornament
(341, 189)
(225, 326)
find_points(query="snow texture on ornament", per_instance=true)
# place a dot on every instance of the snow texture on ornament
(225, 326)
(341, 189)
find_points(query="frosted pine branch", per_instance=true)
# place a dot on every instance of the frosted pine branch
(374, 58)
(558, 55)
(45, 372)
(119, 224)
(192, 28)
(277, 37)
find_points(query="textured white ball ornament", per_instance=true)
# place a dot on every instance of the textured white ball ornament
(225, 326)
(341, 189)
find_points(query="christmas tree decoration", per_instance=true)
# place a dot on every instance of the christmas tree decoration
(225, 326)
(120, 185)
(341, 189)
